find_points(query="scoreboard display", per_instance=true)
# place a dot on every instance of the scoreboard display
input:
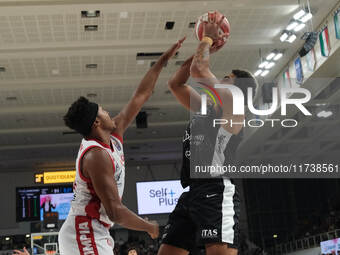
(33, 202)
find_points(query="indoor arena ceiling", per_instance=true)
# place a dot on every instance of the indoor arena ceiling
(45, 50)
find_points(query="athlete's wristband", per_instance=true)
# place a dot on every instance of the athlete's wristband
(208, 40)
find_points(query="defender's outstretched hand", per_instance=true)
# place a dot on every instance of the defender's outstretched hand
(143, 91)
(17, 252)
(173, 49)
(154, 230)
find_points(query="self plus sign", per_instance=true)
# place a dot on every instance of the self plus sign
(172, 193)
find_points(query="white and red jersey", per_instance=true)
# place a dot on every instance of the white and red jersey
(85, 201)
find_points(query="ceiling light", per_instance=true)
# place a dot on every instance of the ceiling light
(275, 236)
(278, 56)
(293, 24)
(307, 17)
(284, 36)
(287, 36)
(258, 72)
(299, 14)
(324, 114)
(270, 65)
(92, 13)
(7, 238)
(270, 56)
(28, 235)
(299, 27)
(123, 15)
(263, 64)
(291, 38)
(264, 73)
(55, 71)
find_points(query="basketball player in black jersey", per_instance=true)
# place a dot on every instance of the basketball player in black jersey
(208, 214)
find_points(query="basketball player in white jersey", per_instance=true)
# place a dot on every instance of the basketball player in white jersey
(100, 171)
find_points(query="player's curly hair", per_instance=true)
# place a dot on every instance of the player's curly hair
(244, 80)
(81, 115)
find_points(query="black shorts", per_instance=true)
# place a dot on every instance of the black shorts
(208, 213)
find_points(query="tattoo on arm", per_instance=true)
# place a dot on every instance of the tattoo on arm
(202, 55)
(206, 53)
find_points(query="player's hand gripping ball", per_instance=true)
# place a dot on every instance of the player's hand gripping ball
(223, 28)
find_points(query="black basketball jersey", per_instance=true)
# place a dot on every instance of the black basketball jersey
(205, 145)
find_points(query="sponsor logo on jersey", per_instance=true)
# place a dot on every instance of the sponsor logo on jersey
(220, 142)
(209, 233)
(117, 145)
(198, 139)
(211, 195)
(118, 175)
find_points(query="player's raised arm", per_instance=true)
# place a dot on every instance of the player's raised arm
(105, 187)
(200, 68)
(185, 94)
(143, 91)
(200, 65)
